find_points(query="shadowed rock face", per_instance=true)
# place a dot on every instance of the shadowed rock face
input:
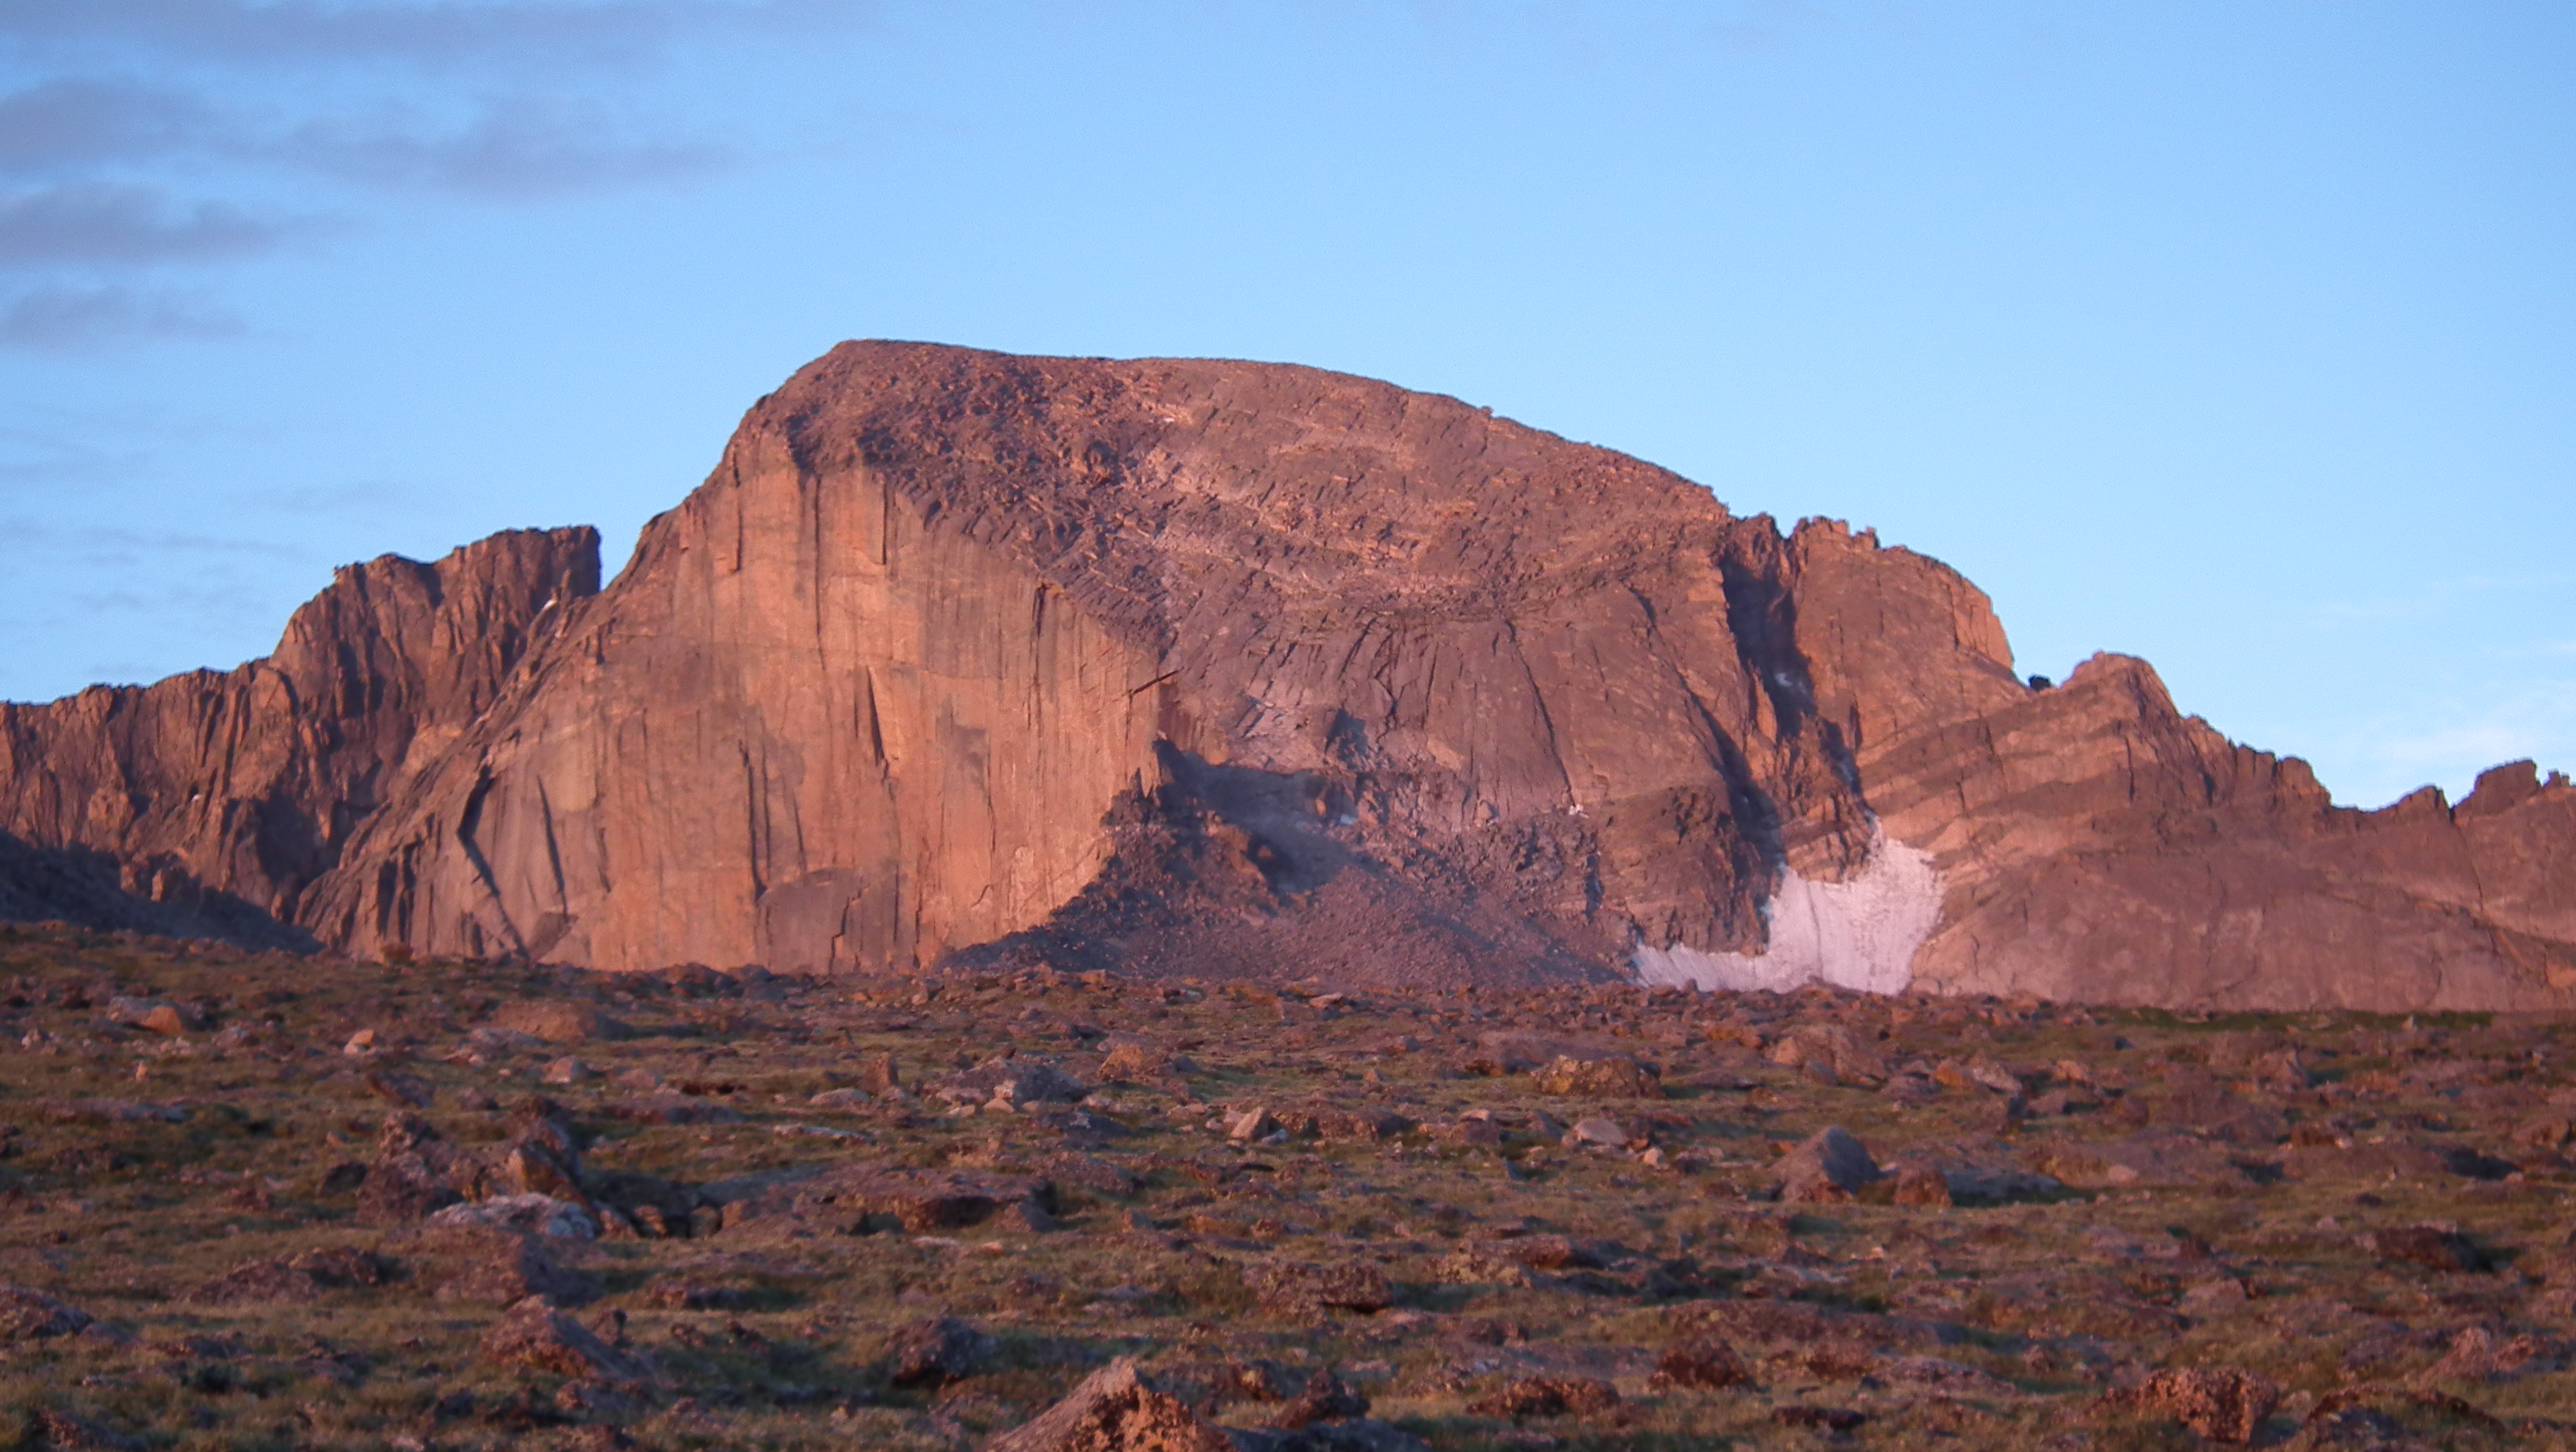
(1230, 668)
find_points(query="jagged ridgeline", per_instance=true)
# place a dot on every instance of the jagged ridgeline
(1241, 669)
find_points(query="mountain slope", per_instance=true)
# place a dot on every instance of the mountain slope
(1231, 668)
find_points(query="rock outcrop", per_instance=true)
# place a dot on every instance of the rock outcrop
(208, 804)
(1242, 669)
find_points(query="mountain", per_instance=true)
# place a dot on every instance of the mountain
(1243, 669)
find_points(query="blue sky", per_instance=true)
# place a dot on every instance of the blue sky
(2240, 335)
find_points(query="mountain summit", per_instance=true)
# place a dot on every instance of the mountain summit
(1247, 670)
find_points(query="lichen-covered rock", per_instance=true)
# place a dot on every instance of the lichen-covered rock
(1115, 1409)
(1702, 1361)
(1298, 1289)
(2220, 1403)
(1610, 1076)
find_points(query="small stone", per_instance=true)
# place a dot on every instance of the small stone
(936, 1352)
(1702, 1361)
(877, 1074)
(1325, 1397)
(2211, 1297)
(690, 1296)
(361, 1043)
(842, 1100)
(395, 1088)
(1547, 1396)
(1598, 1131)
(566, 1070)
(1921, 1184)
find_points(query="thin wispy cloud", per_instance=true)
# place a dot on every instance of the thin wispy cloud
(146, 143)
(55, 315)
(511, 147)
(426, 33)
(99, 223)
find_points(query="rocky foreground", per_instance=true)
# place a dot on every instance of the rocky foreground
(248, 1203)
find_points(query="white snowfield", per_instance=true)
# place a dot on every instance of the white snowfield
(1858, 934)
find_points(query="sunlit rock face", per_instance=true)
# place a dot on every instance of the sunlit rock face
(1245, 669)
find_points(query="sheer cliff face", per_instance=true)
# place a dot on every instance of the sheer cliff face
(212, 801)
(879, 690)
(1230, 668)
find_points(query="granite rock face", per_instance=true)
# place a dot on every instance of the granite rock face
(1241, 669)
(208, 804)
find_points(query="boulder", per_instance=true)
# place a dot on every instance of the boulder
(2434, 1245)
(30, 1315)
(1014, 1081)
(1702, 1361)
(539, 1337)
(541, 1215)
(1852, 1058)
(1301, 1290)
(557, 1021)
(1324, 1398)
(1547, 1396)
(153, 1015)
(479, 1266)
(69, 1432)
(1610, 1076)
(936, 1351)
(1830, 1166)
(2152, 1158)
(2220, 1403)
(1115, 1409)
(343, 1266)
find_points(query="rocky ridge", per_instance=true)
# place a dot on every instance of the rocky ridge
(1208, 667)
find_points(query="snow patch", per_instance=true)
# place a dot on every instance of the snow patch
(1859, 933)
